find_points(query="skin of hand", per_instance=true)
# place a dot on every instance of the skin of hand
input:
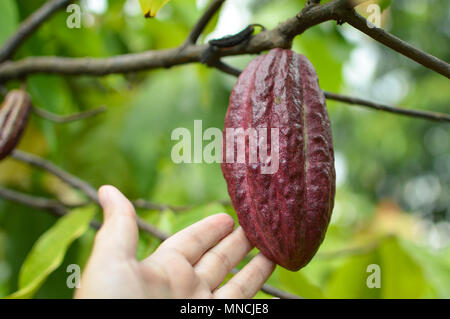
(190, 264)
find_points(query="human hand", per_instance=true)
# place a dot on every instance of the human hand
(190, 264)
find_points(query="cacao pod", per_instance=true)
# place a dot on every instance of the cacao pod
(14, 115)
(284, 214)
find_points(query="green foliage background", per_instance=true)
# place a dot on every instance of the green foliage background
(392, 203)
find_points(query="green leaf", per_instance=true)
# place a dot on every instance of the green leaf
(349, 281)
(187, 218)
(9, 19)
(151, 7)
(384, 4)
(52, 94)
(324, 56)
(48, 252)
(435, 265)
(401, 275)
(299, 284)
(167, 221)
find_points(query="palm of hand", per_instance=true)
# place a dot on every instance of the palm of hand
(190, 264)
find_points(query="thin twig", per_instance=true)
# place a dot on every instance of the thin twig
(203, 21)
(52, 206)
(144, 204)
(77, 183)
(151, 230)
(226, 68)
(434, 116)
(85, 187)
(272, 290)
(66, 177)
(30, 25)
(61, 119)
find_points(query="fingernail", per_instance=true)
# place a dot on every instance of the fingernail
(105, 195)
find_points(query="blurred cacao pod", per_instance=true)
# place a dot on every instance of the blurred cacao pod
(284, 214)
(14, 115)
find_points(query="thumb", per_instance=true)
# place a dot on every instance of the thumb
(119, 233)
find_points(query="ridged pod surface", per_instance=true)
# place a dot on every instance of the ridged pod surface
(14, 114)
(285, 214)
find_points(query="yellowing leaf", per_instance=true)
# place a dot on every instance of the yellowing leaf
(151, 7)
(48, 252)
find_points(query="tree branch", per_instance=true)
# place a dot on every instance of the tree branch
(100, 66)
(272, 290)
(53, 206)
(396, 44)
(59, 209)
(203, 21)
(66, 177)
(88, 189)
(281, 36)
(79, 184)
(144, 204)
(68, 118)
(226, 68)
(30, 25)
(434, 116)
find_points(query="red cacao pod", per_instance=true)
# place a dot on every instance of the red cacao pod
(284, 214)
(14, 115)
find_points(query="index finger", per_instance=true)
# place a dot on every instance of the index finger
(246, 283)
(193, 241)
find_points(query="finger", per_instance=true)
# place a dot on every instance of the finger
(119, 233)
(218, 261)
(196, 239)
(247, 282)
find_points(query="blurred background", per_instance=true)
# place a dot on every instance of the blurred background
(393, 173)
